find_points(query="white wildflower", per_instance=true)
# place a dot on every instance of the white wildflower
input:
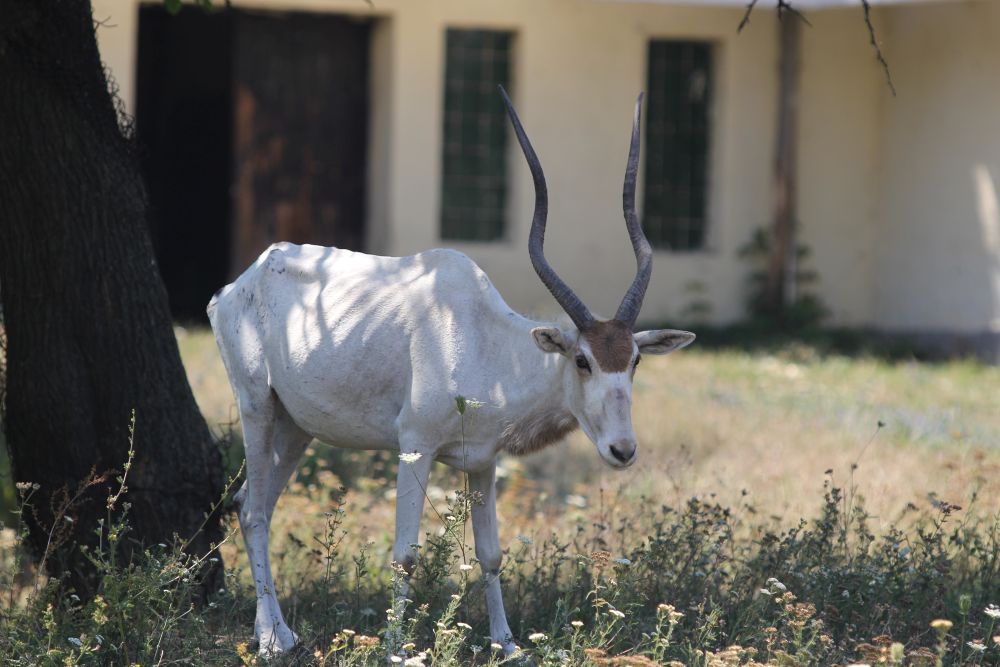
(496, 647)
(395, 659)
(978, 647)
(576, 624)
(464, 626)
(775, 584)
(410, 457)
(616, 613)
(537, 637)
(992, 611)
(462, 403)
(464, 567)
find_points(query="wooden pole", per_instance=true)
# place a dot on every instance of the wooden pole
(780, 270)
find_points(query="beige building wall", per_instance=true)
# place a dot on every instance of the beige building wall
(939, 242)
(839, 165)
(117, 38)
(578, 67)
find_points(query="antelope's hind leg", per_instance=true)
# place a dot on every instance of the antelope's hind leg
(274, 445)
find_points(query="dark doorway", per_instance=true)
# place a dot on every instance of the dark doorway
(184, 124)
(255, 130)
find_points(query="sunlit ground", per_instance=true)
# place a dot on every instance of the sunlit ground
(745, 429)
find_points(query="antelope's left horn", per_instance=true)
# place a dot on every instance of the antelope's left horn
(562, 293)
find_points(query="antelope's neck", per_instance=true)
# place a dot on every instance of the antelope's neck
(537, 413)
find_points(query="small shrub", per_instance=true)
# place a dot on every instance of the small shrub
(806, 309)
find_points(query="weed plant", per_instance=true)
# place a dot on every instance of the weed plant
(654, 585)
(631, 582)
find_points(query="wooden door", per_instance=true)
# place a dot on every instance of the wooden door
(301, 127)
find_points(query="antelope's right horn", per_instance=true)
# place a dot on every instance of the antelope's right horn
(628, 311)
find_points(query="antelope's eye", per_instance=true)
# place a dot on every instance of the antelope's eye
(582, 363)
(635, 364)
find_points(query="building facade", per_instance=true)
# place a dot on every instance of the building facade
(897, 193)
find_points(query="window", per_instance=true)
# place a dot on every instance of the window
(677, 144)
(474, 179)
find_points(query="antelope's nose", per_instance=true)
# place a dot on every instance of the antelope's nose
(624, 451)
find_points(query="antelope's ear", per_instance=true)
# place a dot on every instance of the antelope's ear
(662, 341)
(550, 339)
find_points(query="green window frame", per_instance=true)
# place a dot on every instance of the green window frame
(678, 141)
(474, 150)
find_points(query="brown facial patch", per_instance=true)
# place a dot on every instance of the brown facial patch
(611, 344)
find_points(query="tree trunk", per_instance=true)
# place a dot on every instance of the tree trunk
(780, 268)
(89, 335)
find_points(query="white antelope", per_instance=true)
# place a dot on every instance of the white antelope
(369, 352)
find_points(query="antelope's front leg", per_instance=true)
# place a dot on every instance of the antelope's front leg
(484, 528)
(411, 485)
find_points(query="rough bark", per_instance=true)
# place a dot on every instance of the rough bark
(780, 268)
(89, 335)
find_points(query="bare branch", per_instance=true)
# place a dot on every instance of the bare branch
(104, 23)
(746, 17)
(782, 5)
(878, 50)
(786, 6)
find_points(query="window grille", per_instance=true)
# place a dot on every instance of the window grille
(474, 179)
(675, 199)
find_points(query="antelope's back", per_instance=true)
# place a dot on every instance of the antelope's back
(348, 341)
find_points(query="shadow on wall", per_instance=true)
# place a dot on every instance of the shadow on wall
(968, 255)
(988, 210)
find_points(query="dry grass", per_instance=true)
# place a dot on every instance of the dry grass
(750, 429)
(752, 436)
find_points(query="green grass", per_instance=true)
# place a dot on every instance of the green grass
(773, 521)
